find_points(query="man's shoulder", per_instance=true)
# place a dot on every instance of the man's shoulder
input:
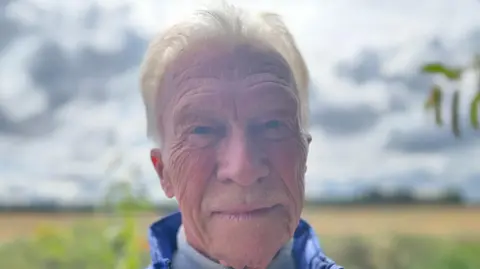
(306, 245)
(308, 251)
(162, 237)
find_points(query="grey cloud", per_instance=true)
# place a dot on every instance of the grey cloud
(410, 179)
(333, 188)
(348, 120)
(430, 140)
(66, 76)
(365, 68)
(471, 187)
(93, 143)
(92, 187)
(415, 82)
(52, 71)
(34, 126)
(369, 65)
(340, 120)
(419, 179)
(471, 43)
(10, 29)
(92, 17)
(95, 63)
(397, 103)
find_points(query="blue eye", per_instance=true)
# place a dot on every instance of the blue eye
(273, 124)
(202, 130)
(273, 130)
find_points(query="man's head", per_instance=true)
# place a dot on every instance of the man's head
(226, 99)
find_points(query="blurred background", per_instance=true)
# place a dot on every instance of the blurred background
(388, 186)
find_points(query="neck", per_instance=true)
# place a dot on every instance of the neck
(188, 257)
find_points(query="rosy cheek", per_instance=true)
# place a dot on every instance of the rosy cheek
(190, 170)
(288, 159)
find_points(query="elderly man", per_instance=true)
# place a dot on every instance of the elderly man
(226, 99)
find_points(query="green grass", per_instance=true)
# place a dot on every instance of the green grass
(88, 245)
(405, 252)
(117, 244)
(83, 246)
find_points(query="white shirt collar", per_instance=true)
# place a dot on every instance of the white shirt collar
(187, 257)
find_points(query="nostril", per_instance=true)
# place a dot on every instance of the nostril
(227, 181)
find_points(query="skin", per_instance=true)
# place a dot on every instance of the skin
(228, 116)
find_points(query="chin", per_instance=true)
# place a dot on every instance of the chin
(247, 251)
(241, 262)
(253, 241)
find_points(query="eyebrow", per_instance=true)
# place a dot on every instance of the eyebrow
(283, 112)
(268, 89)
(192, 113)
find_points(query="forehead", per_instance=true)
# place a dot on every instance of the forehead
(229, 62)
(216, 69)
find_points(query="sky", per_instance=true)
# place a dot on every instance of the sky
(70, 103)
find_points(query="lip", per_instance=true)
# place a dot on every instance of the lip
(245, 209)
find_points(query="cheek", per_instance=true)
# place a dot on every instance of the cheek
(190, 170)
(288, 158)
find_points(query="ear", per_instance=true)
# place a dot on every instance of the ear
(158, 164)
(308, 137)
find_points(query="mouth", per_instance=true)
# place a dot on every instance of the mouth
(245, 213)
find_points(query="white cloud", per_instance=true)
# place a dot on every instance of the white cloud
(326, 31)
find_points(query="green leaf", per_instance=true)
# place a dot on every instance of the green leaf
(434, 101)
(474, 110)
(451, 73)
(433, 68)
(455, 114)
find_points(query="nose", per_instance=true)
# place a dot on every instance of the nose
(241, 161)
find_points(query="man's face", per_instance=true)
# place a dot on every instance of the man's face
(234, 155)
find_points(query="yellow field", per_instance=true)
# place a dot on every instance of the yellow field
(327, 221)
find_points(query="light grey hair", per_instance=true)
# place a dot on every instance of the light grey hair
(230, 24)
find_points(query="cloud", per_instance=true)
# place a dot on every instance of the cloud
(60, 75)
(370, 66)
(346, 120)
(63, 77)
(81, 99)
(397, 68)
(72, 104)
(378, 65)
(471, 187)
(52, 72)
(366, 67)
(430, 140)
(474, 41)
(10, 28)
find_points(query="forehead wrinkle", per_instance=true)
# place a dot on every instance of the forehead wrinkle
(268, 100)
(261, 88)
(184, 104)
(241, 68)
(230, 64)
(259, 80)
(272, 86)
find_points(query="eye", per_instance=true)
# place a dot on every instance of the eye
(273, 130)
(273, 124)
(203, 130)
(204, 135)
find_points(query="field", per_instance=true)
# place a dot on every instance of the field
(328, 221)
(356, 237)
